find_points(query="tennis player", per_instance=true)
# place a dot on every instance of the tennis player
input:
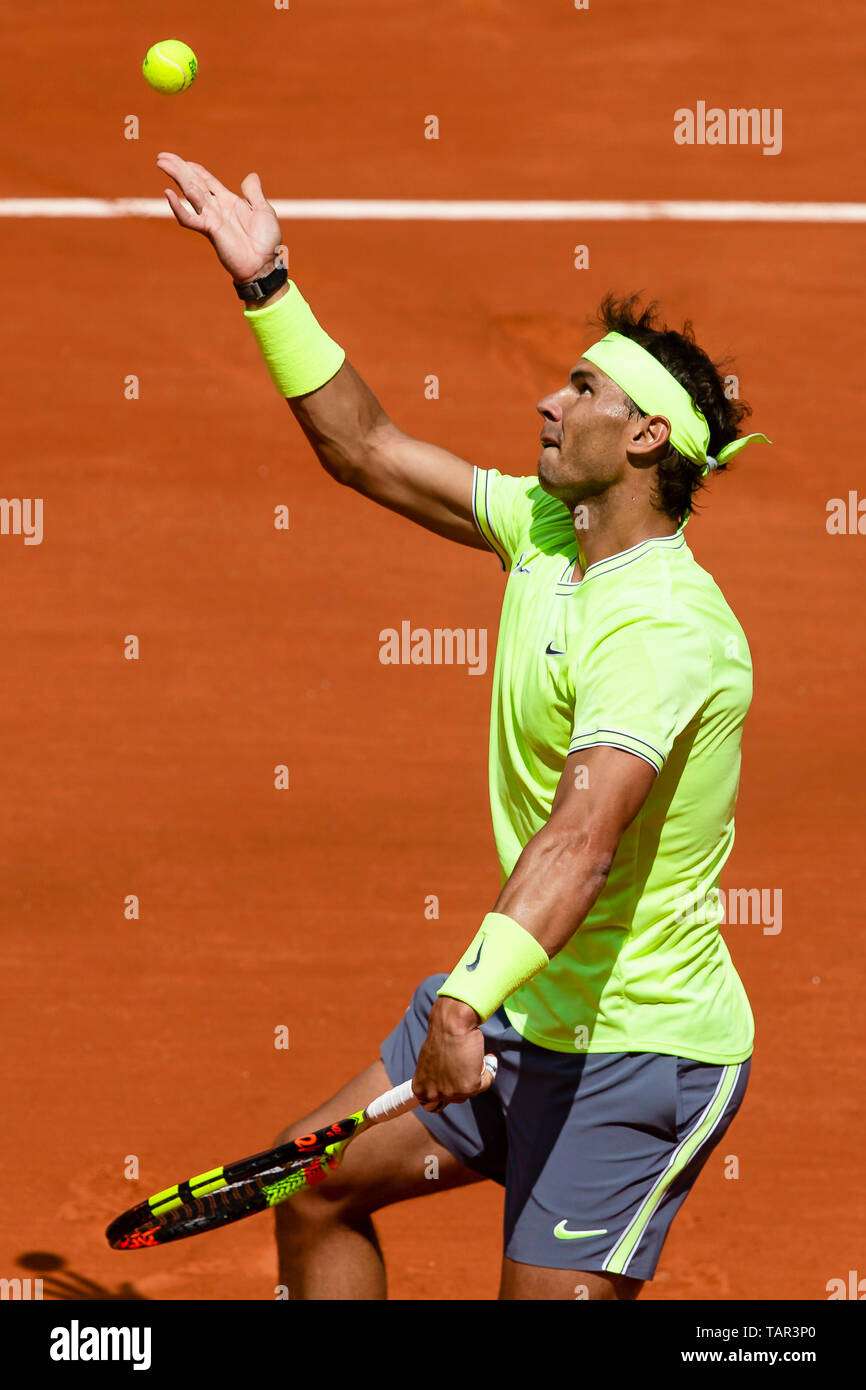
(622, 682)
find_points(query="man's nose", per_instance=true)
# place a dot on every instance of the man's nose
(550, 408)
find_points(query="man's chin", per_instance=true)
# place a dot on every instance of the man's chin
(549, 472)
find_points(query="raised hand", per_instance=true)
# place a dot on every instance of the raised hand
(244, 231)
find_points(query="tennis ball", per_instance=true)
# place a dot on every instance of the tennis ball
(170, 66)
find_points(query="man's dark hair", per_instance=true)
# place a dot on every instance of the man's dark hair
(678, 478)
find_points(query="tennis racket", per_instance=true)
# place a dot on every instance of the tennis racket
(253, 1184)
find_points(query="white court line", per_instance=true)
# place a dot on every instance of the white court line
(411, 210)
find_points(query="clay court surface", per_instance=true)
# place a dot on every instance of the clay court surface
(155, 1037)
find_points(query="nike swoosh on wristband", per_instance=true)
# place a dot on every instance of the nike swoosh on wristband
(562, 1233)
(474, 964)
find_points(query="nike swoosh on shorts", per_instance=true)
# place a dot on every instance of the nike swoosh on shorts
(562, 1233)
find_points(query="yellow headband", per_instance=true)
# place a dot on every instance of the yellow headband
(656, 392)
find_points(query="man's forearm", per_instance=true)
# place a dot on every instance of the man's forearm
(549, 893)
(343, 421)
(553, 885)
(353, 438)
(361, 447)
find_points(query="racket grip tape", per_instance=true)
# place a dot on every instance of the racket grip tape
(402, 1098)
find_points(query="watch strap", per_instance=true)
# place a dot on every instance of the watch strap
(260, 289)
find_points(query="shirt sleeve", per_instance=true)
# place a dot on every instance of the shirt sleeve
(640, 685)
(502, 507)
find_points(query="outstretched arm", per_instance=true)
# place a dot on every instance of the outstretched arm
(354, 439)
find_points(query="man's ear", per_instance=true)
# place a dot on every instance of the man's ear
(649, 440)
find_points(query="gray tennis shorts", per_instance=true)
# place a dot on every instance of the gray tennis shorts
(596, 1151)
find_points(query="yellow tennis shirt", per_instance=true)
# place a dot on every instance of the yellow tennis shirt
(642, 654)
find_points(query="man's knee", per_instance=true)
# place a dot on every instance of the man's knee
(318, 1207)
(610, 1287)
(386, 1164)
(520, 1281)
(291, 1132)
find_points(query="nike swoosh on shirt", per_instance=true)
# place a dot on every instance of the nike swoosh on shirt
(474, 964)
(562, 1232)
(554, 651)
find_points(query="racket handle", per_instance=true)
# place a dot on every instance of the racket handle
(402, 1098)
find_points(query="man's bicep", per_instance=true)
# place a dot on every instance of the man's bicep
(599, 794)
(359, 445)
(479, 507)
(424, 482)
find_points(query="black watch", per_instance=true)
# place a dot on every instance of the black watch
(261, 289)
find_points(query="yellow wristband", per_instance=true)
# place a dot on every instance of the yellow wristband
(502, 957)
(299, 354)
